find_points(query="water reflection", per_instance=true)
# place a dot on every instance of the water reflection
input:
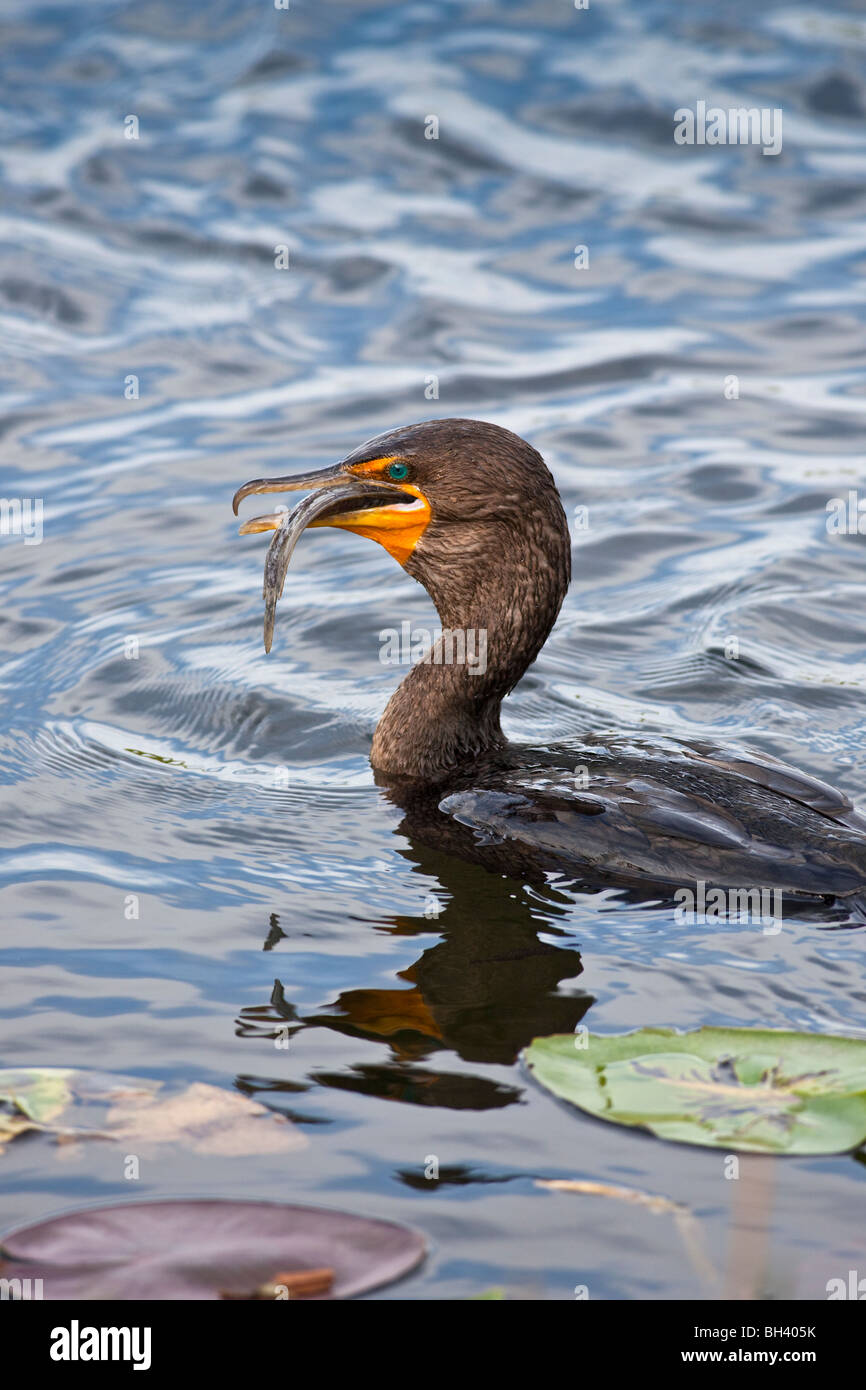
(489, 985)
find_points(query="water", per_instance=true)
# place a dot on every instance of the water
(224, 796)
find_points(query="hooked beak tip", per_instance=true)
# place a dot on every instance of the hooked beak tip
(260, 485)
(297, 482)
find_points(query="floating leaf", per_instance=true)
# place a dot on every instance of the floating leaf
(757, 1090)
(206, 1119)
(31, 1098)
(200, 1249)
(40, 1093)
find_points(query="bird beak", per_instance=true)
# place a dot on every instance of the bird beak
(316, 481)
(393, 514)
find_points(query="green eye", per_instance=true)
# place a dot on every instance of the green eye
(398, 471)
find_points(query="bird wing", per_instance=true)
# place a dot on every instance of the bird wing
(671, 813)
(775, 775)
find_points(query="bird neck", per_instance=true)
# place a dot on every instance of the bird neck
(494, 622)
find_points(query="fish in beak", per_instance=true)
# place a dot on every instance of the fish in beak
(353, 496)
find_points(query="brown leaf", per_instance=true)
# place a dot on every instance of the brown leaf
(205, 1119)
(298, 1283)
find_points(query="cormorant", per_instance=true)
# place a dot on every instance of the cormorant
(471, 511)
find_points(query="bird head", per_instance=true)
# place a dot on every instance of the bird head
(460, 504)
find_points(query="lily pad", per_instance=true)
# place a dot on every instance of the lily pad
(39, 1093)
(210, 1250)
(135, 1111)
(33, 1098)
(756, 1090)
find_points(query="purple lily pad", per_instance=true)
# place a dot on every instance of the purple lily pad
(204, 1249)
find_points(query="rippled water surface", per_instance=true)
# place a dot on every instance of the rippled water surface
(226, 797)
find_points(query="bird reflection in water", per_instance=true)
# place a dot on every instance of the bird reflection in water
(486, 988)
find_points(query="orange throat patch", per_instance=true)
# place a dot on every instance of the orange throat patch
(397, 527)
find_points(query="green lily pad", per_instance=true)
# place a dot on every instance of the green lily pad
(40, 1093)
(31, 1097)
(756, 1090)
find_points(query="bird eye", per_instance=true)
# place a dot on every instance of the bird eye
(397, 471)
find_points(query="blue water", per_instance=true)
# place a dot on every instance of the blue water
(172, 801)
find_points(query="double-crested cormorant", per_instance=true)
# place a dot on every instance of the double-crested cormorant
(471, 511)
